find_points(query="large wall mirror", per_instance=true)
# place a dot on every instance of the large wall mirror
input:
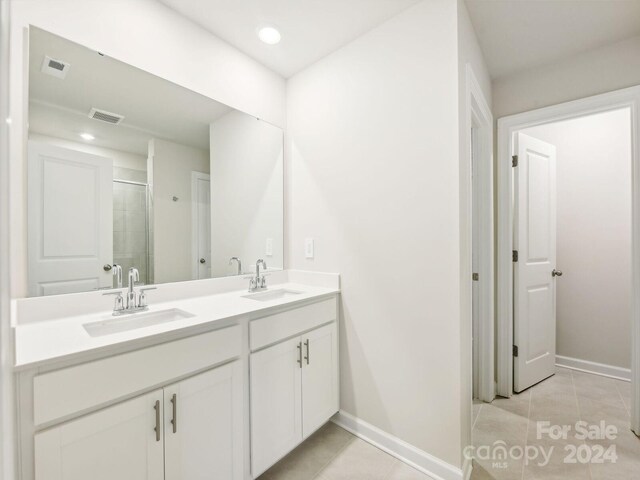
(126, 168)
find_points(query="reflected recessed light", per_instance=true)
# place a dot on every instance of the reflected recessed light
(87, 136)
(9, 121)
(269, 35)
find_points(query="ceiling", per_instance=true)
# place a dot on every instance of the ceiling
(311, 29)
(152, 106)
(516, 35)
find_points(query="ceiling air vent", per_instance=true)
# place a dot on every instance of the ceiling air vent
(55, 68)
(104, 116)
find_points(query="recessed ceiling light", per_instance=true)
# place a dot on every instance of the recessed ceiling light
(269, 35)
(87, 136)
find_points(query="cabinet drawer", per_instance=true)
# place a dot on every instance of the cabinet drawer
(75, 389)
(268, 330)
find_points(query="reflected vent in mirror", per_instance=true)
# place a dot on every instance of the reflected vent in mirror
(55, 68)
(104, 116)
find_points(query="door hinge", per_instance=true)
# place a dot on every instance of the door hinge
(476, 277)
(514, 255)
(515, 350)
(514, 161)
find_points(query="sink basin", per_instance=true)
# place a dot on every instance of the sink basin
(271, 295)
(134, 321)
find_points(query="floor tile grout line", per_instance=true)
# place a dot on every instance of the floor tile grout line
(340, 450)
(624, 404)
(475, 420)
(393, 464)
(526, 438)
(575, 393)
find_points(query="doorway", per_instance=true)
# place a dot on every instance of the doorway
(528, 271)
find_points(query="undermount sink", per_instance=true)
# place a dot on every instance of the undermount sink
(134, 321)
(271, 295)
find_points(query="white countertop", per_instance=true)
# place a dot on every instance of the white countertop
(40, 343)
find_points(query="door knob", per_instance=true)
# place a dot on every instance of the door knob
(106, 267)
(556, 273)
(202, 260)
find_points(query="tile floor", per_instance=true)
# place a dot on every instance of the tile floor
(564, 399)
(334, 454)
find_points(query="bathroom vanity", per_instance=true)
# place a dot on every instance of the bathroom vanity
(222, 390)
(196, 371)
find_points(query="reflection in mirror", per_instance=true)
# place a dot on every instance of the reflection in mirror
(128, 169)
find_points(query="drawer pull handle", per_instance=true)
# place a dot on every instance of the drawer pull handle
(174, 405)
(300, 354)
(306, 343)
(156, 407)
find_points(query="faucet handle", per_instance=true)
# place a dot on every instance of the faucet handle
(118, 305)
(142, 297)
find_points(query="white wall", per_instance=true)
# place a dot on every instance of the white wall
(170, 166)
(246, 192)
(373, 177)
(143, 33)
(602, 70)
(469, 54)
(593, 302)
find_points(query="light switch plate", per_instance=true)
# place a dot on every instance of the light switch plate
(308, 248)
(268, 249)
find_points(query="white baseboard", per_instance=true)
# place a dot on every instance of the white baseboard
(593, 367)
(403, 451)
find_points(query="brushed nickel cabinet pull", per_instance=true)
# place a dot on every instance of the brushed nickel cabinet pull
(157, 429)
(174, 405)
(306, 343)
(300, 354)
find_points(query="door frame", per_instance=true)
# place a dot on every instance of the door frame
(479, 120)
(195, 177)
(507, 127)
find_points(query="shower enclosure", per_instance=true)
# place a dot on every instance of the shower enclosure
(131, 227)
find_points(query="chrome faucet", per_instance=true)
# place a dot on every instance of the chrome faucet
(136, 301)
(134, 276)
(259, 282)
(117, 272)
(236, 259)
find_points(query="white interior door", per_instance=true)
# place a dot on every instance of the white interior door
(319, 377)
(276, 416)
(118, 442)
(535, 240)
(204, 427)
(70, 226)
(201, 225)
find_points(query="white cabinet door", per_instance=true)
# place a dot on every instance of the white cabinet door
(203, 426)
(319, 377)
(70, 220)
(118, 442)
(276, 417)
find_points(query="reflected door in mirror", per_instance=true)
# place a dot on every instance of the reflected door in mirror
(70, 220)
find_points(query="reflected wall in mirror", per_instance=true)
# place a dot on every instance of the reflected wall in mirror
(126, 168)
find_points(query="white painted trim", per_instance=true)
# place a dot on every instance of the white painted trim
(595, 368)
(467, 468)
(403, 451)
(195, 176)
(480, 118)
(8, 407)
(507, 126)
